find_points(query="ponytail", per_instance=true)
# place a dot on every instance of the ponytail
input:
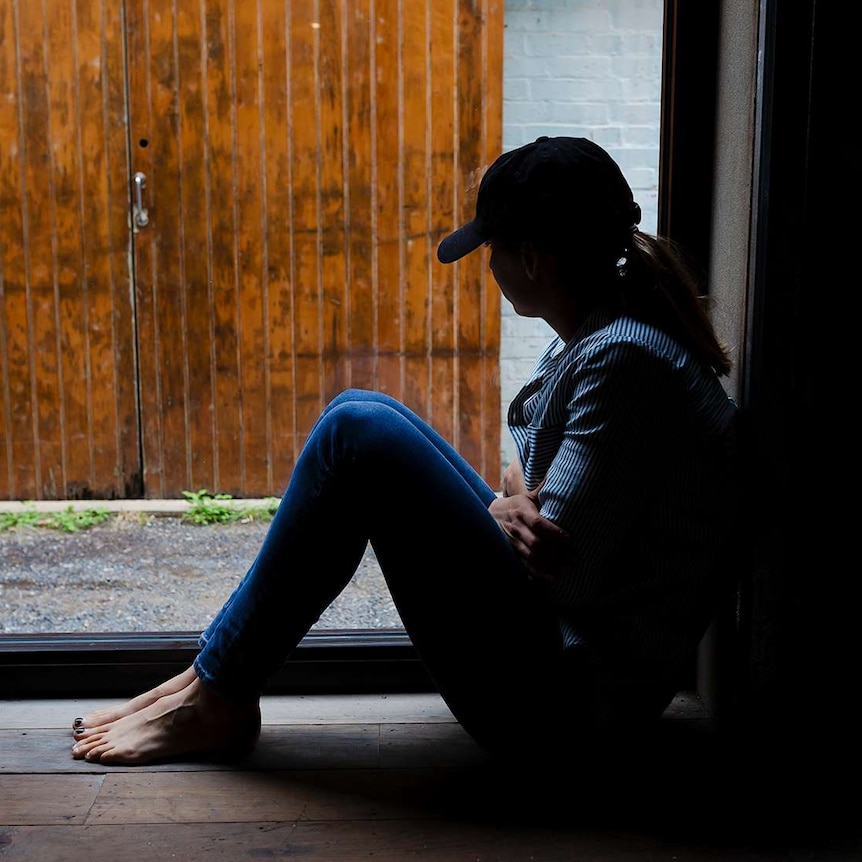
(660, 288)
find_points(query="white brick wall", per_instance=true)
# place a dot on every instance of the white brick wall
(591, 69)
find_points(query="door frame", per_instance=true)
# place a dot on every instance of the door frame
(369, 661)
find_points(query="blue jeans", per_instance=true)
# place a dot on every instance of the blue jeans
(372, 470)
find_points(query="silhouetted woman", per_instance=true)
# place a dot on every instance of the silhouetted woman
(571, 603)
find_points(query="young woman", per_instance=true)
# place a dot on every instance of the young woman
(573, 602)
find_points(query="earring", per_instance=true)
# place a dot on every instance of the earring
(622, 265)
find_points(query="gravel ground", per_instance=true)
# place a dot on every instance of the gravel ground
(150, 574)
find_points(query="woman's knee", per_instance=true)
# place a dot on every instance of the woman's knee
(359, 395)
(350, 396)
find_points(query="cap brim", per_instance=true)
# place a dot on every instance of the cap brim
(460, 242)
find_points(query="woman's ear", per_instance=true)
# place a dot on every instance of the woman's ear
(529, 259)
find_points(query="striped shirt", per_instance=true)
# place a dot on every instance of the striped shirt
(630, 437)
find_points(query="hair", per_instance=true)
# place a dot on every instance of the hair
(647, 277)
(659, 287)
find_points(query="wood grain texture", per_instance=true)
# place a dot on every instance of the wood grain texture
(143, 146)
(69, 415)
(77, 298)
(48, 799)
(165, 237)
(445, 194)
(301, 161)
(336, 72)
(275, 710)
(106, 247)
(200, 463)
(249, 25)
(38, 193)
(280, 418)
(388, 841)
(307, 240)
(395, 778)
(416, 301)
(363, 63)
(21, 467)
(387, 191)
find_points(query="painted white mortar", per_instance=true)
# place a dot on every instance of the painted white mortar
(592, 69)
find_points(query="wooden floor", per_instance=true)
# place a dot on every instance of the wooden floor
(394, 778)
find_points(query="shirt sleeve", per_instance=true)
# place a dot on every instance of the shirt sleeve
(610, 457)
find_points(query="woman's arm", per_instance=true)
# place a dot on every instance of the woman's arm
(513, 479)
(542, 545)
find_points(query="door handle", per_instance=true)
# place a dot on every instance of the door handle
(141, 216)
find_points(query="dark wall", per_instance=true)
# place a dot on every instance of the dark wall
(796, 661)
(797, 717)
(799, 651)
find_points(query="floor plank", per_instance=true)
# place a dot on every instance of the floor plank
(396, 778)
(47, 799)
(281, 747)
(330, 795)
(384, 841)
(424, 708)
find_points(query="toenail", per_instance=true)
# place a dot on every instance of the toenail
(80, 730)
(77, 722)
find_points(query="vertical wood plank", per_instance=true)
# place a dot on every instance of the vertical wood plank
(471, 160)
(414, 210)
(144, 143)
(107, 246)
(78, 308)
(151, 109)
(21, 469)
(338, 85)
(193, 216)
(277, 208)
(304, 29)
(468, 309)
(166, 232)
(252, 322)
(221, 119)
(388, 185)
(445, 193)
(490, 462)
(40, 261)
(362, 180)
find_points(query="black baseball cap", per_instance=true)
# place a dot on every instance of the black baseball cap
(547, 190)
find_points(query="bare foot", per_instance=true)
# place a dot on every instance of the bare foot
(106, 716)
(193, 720)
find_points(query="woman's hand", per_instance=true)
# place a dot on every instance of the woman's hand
(542, 545)
(513, 480)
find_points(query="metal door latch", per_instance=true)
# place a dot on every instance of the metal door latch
(140, 215)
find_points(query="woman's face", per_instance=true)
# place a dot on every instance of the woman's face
(532, 280)
(510, 271)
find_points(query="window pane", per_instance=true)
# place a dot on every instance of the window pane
(137, 572)
(591, 70)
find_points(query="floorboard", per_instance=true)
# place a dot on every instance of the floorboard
(389, 778)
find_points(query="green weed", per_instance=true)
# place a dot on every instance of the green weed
(68, 521)
(207, 508)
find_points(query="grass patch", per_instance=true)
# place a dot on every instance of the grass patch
(67, 521)
(206, 508)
